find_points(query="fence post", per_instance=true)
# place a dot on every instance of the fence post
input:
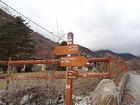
(119, 65)
(8, 74)
(125, 66)
(108, 64)
(116, 69)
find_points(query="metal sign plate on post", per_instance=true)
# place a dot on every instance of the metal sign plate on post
(70, 38)
(69, 49)
(73, 61)
(72, 74)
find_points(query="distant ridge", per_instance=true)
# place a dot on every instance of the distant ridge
(87, 52)
(125, 56)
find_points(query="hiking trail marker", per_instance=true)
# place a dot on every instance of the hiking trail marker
(73, 74)
(69, 49)
(73, 61)
(69, 62)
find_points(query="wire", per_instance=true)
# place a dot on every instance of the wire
(32, 21)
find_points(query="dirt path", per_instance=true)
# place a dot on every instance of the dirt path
(132, 90)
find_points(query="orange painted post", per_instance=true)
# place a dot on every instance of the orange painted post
(125, 66)
(71, 83)
(8, 74)
(67, 97)
(66, 62)
(119, 65)
(120, 62)
(119, 71)
(108, 65)
(116, 70)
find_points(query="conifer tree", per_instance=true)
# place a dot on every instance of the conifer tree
(16, 40)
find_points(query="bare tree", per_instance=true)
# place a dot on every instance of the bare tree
(60, 31)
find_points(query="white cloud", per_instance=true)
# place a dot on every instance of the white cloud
(97, 24)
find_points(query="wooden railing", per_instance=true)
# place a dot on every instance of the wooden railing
(115, 68)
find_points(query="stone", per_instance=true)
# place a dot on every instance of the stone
(24, 99)
(1, 93)
(1, 103)
(60, 99)
(78, 98)
(32, 97)
(104, 94)
(33, 103)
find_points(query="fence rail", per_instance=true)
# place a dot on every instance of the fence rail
(115, 72)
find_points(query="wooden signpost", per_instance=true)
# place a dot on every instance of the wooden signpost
(69, 49)
(73, 61)
(73, 74)
(70, 62)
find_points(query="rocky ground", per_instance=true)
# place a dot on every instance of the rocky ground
(104, 94)
(81, 100)
(38, 96)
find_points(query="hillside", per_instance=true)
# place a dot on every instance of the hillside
(45, 46)
(87, 52)
(125, 56)
(4, 16)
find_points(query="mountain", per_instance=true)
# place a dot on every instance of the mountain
(87, 52)
(125, 56)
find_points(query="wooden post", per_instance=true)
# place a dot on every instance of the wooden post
(119, 65)
(69, 81)
(116, 69)
(125, 67)
(8, 74)
(108, 65)
(119, 71)
(67, 97)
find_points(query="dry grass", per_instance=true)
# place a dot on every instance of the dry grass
(84, 85)
(2, 84)
(20, 83)
(79, 86)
